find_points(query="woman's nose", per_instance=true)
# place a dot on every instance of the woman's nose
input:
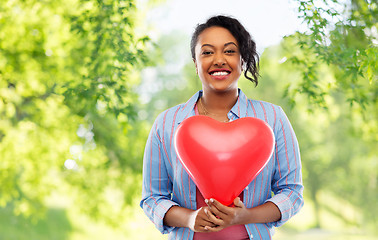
(219, 60)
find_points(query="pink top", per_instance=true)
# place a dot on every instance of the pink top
(236, 232)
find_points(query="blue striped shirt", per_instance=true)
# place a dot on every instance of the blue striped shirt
(166, 183)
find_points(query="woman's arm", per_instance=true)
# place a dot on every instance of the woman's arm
(287, 183)
(157, 185)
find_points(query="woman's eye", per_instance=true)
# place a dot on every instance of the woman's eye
(230, 51)
(206, 53)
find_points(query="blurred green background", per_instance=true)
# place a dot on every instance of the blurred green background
(81, 82)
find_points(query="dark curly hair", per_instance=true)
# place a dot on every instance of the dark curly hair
(247, 46)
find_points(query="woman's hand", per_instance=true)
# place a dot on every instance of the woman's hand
(224, 216)
(199, 220)
(216, 216)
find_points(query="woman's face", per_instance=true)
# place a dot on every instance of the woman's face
(218, 60)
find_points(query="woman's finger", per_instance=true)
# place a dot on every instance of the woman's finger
(214, 219)
(213, 229)
(204, 218)
(238, 202)
(215, 213)
(222, 209)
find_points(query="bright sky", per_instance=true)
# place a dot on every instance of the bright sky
(266, 20)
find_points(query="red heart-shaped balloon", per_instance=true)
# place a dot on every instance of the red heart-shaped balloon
(223, 158)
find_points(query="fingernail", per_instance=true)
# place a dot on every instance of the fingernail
(211, 200)
(206, 201)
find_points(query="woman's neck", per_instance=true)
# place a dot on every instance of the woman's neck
(218, 104)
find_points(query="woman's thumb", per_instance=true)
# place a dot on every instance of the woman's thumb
(238, 203)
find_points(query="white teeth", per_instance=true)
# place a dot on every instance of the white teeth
(219, 73)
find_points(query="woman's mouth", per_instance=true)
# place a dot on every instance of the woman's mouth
(220, 73)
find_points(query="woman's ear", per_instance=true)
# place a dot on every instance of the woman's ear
(195, 64)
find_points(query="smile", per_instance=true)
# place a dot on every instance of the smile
(220, 72)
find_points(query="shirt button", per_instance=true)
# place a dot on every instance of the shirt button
(230, 115)
(247, 188)
(252, 236)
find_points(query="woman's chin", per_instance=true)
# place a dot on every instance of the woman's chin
(220, 88)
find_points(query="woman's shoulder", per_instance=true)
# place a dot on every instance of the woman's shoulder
(267, 111)
(170, 114)
(264, 104)
(174, 115)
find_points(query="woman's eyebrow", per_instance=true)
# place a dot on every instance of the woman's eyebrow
(206, 44)
(229, 43)
(226, 44)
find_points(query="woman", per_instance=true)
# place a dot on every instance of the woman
(221, 48)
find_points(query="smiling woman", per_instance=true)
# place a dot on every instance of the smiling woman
(217, 59)
(221, 50)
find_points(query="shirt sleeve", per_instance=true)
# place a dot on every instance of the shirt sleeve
(287, 180)
(157, 185)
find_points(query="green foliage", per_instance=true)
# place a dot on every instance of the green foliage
(108, 51)
(55, 225)
(344, 36)
(67, 69)
(172, 80)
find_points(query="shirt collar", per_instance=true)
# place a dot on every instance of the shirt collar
(239, 109)
(188, 108)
